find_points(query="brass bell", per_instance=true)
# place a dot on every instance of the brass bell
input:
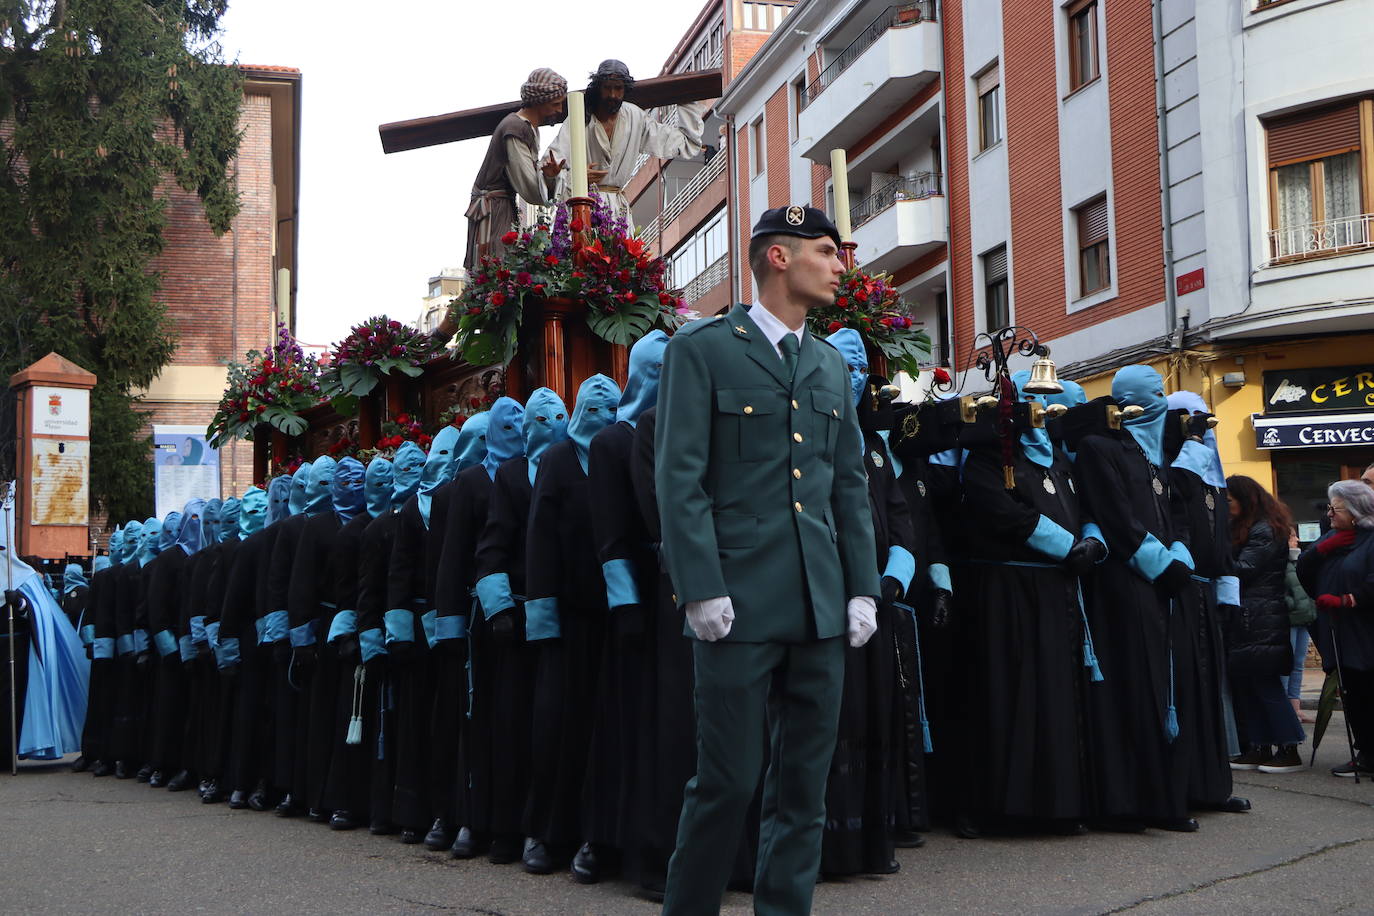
(889, 393)
(1043, 379)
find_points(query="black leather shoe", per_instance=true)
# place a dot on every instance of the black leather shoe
(967, 828)
(238, 799)
(439, 836)
(101, 768)
(157, 780)
(410, 836)
(287, 807)
(1175, 824)
(505, 849)
(586, 866)
(81, 764)
(1233, 805)
(464, 844)
(145, 773)
(180, 782)
(891, 868)
(382, 828)
(908, 839)
(653, 890)
(121, 770)
(317, 816)
(257, 799)
(536, 858)
(212, 795)
(342, 820)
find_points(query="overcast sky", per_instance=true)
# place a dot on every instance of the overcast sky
(375, 227)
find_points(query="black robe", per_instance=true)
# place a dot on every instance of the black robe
(564, 806)
(219, 691)
(247, 761)
(95, 734)
(373, 568)
(1128, 713)
(132, 674)
(288, 700)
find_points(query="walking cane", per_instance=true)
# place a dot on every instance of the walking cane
(1340, 689)
(9, 612)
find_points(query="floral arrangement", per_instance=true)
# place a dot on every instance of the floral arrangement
(343, 447)
(403, 428)
(458, 413)
(621, 283)
(377, 347)
(270, 387)
(871, 305)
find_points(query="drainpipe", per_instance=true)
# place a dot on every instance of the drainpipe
(944, 182)
(1166, 208)
(731, 204)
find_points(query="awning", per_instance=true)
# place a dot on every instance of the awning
(1313, 430)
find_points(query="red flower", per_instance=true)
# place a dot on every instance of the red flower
(842, 302)
(575, 225)
(861, 295)
(665, 299)
(635, 247)
(498, 299)
(474, 310)
(551, 260)
(524, 278)
(394, 325)
(474, 402)
(835, 326)
(403, 419)
(624, 276)
(503, 274)
(539, 288)
(940, 375)
(510, 238)
(887, 322)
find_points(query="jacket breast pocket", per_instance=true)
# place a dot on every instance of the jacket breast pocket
(827, 410)
(745, 421)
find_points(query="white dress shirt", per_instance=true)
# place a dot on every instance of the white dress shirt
(772, 327)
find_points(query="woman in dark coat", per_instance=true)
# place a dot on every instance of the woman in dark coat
(1339, 571)
(1258, 650)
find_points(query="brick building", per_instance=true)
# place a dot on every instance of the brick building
(222, 293)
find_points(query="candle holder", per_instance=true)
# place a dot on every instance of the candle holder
(581, 210)
(847, 250)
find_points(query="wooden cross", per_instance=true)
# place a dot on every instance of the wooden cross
(418, 133)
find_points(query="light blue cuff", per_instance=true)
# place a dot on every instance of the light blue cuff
(427, 624)
(493, 591)
(140, 638)
(166, 643)
(452, 627)
(620, 583)
(886, 436)
(102, 647)
(400, 625)
(901, 565)
(304, 635)
(187, 647)
(1194, 457)
(198, 628)
(1090, 530)
(261, 626)
(274, 626)
(125, 644)
(1050, 538)
(370, 642)
(541, 619)
(1150, 559)
(212, 634)
(345, 624)
(938, 573)
(1180, 552)
(949, 459)
(227, 652)
(88, 634)
(1228, 590)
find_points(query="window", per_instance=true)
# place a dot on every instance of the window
(997, 300)
(1316, 193)
(1082, 43)
(798, 103)
(757, 157)
(1094, 260)
(700, 251)
(436, 290)
(989, 88)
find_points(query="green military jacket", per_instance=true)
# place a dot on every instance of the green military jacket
(761, 488)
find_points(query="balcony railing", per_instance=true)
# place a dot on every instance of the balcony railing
(917, 187)
(718, 272)
(1319, 240)
(892, 17)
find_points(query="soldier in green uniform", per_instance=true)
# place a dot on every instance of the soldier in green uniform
(768, 540)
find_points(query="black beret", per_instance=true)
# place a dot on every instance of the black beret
(805, 222)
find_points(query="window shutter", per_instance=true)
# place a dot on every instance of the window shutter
(1092, 222)
(995, 264)
(988, 80)
(1314, 134)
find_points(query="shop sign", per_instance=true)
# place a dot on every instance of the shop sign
(1349, 429)
(1333, 388)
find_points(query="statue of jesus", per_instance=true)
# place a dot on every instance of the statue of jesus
(619, 131)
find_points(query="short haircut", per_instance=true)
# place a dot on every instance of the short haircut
(1358, 498)
(758, 252)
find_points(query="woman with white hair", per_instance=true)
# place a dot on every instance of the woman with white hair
(1339, 571)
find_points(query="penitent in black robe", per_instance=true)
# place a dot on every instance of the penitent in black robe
(373, 568)
(1128, 713)
(220, 691)
(247, 762)
(95, 735)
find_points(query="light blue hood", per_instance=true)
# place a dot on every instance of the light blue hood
(406, 469)
(472, 443)
(377, 484)
(505, 437)
(546, 422)
(1143, 386)
(346, 490)
(851, 347)
(598, 400)
(1035, 443)
(646, 366)
(300, 489)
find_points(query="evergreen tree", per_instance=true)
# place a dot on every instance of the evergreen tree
(104, 103)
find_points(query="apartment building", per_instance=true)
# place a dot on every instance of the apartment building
(1006, 162)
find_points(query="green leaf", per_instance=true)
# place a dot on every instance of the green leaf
(292, 424)
(625, 325)
(345, 405)
(412, 371)
(357, 380)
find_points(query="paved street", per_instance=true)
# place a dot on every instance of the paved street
(74, 844)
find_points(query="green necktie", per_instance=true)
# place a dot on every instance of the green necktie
(791, 349)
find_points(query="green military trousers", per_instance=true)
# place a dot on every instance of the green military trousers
(795, 690)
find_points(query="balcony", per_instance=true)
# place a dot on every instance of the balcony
(889, 61)
(902, 221)
(1321, 240)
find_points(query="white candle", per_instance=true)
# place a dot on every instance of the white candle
(577, 139)
(839, 170)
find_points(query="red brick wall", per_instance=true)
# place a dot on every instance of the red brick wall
(956, 142)
(740, 48)
(820, 174)
(779, 171)
(746, 281)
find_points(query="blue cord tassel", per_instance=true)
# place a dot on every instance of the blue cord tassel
(1089, 654)
(920, 679)
(1171, 716)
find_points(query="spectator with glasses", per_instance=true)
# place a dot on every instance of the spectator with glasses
(1339, 570)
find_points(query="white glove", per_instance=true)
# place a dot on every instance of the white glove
(710, 619)
(863, 619)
